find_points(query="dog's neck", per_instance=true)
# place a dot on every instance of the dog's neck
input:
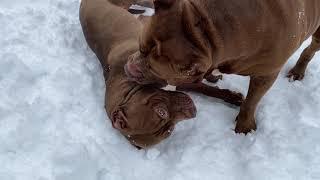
(118, 86)
(211, 33)
(228, 28)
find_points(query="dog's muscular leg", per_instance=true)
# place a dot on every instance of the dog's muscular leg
(224, 94)
(298, 71)
(257, 89)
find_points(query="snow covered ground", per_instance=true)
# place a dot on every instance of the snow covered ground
(53, 125)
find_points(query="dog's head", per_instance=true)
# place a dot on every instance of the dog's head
(174, 46)
(149, 115)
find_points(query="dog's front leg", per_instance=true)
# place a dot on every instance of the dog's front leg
(213, 91)
(259, 85)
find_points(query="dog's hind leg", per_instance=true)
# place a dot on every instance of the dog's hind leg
(298, 71)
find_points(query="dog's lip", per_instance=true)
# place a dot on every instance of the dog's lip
(142, 80)
(131, 77)
(185, 80)
(133, 71)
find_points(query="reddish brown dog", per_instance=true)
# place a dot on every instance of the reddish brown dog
(145, 115)
(187, 39)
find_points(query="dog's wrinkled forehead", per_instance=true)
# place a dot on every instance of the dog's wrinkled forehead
(150, 115)
(149, 121)
(146, 110)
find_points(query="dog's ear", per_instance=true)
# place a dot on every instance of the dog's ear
(119, 120)
(163, 4)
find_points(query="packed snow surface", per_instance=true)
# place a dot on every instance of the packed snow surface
(53, 125)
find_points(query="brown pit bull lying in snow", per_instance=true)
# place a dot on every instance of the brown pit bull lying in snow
(186, 39)
(145, 115)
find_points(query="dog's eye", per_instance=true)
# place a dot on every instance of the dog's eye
(162, 112)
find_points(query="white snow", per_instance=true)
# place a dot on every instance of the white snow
(53, 125)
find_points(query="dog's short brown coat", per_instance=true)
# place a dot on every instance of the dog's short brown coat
(187, 39)
(145, 115)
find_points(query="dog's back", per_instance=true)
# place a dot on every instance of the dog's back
(276, 26)
(106, 26)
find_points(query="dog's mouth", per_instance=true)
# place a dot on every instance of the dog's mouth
(185, 80)
(135, 73)
(180, 107)
(147, 141)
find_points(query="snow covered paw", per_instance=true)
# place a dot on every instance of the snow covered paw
(245, 127)
(295, 74)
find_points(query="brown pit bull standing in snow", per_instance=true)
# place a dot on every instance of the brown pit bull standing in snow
(145, 115)
(186, 39)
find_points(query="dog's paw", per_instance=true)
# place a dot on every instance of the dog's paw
(245, 127)
(213, 79)
(234, 98)
(295, 75)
